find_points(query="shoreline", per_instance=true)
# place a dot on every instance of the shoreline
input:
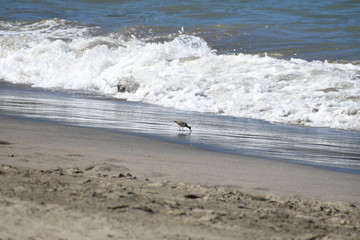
(338, 149)
(72, 182)
(72, 146)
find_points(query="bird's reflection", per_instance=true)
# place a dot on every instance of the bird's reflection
(183, 134)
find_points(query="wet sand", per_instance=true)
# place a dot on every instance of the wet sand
(60, 182)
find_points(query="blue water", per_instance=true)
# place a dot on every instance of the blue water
(305, 29)
(310, 30)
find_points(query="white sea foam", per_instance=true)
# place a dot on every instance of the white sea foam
(52, 28)
(183, 73)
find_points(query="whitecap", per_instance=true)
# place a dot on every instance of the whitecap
(183, 73)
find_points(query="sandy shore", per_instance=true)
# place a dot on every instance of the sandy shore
(59, 182)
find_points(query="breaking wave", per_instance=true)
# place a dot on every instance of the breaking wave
(182, 72)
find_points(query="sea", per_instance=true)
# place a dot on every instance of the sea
(272, 79)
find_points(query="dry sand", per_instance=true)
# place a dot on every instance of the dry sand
(59, 182)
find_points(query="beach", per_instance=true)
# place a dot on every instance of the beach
(89, 92)
(62, 182)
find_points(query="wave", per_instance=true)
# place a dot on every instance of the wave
(181, 72)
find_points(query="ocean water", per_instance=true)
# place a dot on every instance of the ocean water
(322, 147)
(284, 64)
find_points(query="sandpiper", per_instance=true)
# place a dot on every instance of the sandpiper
(182, 125)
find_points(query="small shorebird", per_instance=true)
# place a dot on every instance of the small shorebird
(182, 125)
